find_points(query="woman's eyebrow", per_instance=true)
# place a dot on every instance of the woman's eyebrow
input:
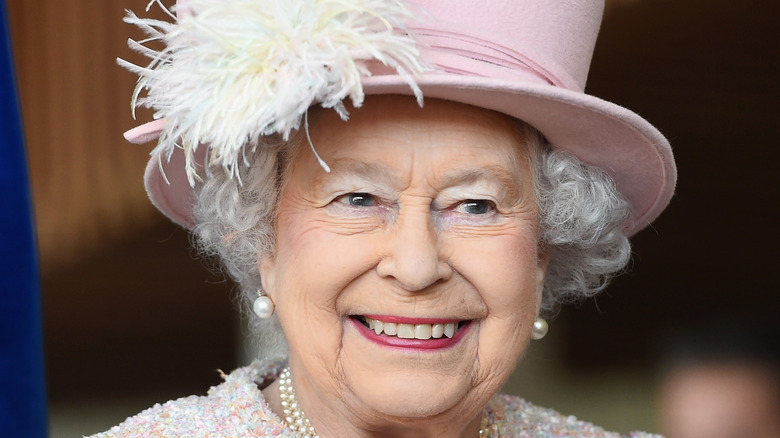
(508, 183)
(374, 172)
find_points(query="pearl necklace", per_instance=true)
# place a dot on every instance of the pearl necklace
(297, 421)
(293, 414)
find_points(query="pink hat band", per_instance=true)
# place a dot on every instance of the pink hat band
(464, 55)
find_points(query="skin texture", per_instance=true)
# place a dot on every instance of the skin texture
(415, 247)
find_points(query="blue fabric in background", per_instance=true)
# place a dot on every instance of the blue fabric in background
(22, 391)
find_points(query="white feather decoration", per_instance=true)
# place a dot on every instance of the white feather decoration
(234, 70)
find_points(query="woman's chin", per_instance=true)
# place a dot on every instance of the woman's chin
(404, 396)
(409, 382)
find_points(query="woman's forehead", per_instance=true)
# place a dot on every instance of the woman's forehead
(391, 134)
(400, 112)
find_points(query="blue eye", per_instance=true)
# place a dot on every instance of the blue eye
(360, 199)
(476, 206)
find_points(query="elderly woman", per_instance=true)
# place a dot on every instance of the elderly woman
(399, 190)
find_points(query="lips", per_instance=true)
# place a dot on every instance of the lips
(412, 333)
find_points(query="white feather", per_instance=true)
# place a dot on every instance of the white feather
(234, 70)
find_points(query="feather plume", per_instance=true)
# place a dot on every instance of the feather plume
(234, 70)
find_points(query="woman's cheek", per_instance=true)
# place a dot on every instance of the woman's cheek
(502, 266)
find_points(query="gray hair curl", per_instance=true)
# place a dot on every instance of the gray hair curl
(581, 215)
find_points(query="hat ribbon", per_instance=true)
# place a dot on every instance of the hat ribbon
(454, 52)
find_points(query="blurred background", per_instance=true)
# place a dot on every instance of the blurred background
(132, 316)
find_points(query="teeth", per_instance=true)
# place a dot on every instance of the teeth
(405, 331)
(412, 331)
(391, 328)
(437, 330)
(449, 330)
(422, 331)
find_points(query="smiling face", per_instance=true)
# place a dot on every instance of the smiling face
(408, 278)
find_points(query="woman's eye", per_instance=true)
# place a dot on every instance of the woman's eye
(359, 199)
(358, 205)
(475, 206)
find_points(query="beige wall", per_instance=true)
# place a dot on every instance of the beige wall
(86, 179)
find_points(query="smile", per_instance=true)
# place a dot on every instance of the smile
(411, 333)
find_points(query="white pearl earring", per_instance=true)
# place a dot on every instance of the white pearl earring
(263, 306)
(540, 329)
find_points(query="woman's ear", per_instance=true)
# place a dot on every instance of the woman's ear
(267, 268)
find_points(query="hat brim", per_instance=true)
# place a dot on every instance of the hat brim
(613, 138)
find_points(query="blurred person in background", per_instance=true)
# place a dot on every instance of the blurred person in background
(722, 382)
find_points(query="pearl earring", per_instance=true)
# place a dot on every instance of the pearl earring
(263, 306)
(540, 329)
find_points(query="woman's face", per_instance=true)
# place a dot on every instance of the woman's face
(427, 227)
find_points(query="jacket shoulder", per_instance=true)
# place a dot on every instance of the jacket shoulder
(519, 418)
(235, 408)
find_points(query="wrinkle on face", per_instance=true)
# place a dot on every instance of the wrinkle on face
(415, 253)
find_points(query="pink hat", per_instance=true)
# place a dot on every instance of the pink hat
(525, 58)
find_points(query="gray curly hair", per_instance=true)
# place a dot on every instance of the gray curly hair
(581, 216)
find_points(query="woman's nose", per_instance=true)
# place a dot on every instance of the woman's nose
(413, 253)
